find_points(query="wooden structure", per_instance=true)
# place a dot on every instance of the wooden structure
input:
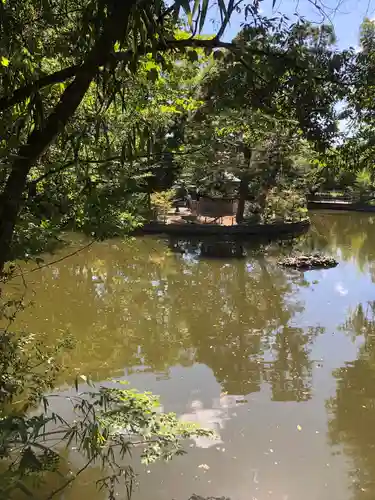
(216, 209)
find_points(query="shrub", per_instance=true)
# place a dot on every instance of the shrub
(162, 203)
(284, 205)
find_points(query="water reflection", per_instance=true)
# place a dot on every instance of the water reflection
(352, 409)
(209, 247)
(267, 357)
(350, 234)
(140, 308)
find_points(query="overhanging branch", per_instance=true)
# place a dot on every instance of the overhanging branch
(60, 76)
(24, 92)
(88, 161)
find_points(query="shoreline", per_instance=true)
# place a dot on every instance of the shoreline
(243, 230)
(340, 206)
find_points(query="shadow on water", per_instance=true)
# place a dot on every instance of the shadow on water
(269, 358)
(227, 247)
(211, 247)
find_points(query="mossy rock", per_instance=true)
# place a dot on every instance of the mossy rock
(308, 262)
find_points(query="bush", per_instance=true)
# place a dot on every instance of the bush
(363, 185)
(162, 203)
(284, 205)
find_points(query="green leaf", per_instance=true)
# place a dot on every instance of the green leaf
(203, 14)
(186, 6)
(223, 11)
(4, 61)
(196, 5)
(29, 461)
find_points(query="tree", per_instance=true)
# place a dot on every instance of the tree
(351, 161)
(72, 76)
(67, 62)
(38, 39)
(285, 89)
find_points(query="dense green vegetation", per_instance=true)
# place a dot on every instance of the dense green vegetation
(104, 106)
(161, 103)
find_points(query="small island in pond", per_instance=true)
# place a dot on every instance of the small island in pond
(305, 262)
(202, 210)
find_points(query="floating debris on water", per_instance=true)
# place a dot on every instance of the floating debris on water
(204, 466)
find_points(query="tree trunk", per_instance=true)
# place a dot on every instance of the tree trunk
(262, 198)
(242, 195)
(243, 189)
(40, 139)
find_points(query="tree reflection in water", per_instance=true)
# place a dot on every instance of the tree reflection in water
(141, 307)
(350, 235)
(352, 409)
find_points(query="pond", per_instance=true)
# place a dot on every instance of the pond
(280, 363)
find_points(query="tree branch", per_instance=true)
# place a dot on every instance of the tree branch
(231, 8)
(178, 44)
(87, 161)
(24, 92)
(60, 76)
(74, 476)
(47, 264)
(54, 171)
(214, 43)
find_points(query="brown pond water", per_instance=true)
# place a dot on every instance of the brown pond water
(281, 364)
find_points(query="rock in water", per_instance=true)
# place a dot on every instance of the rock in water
(308, 262)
